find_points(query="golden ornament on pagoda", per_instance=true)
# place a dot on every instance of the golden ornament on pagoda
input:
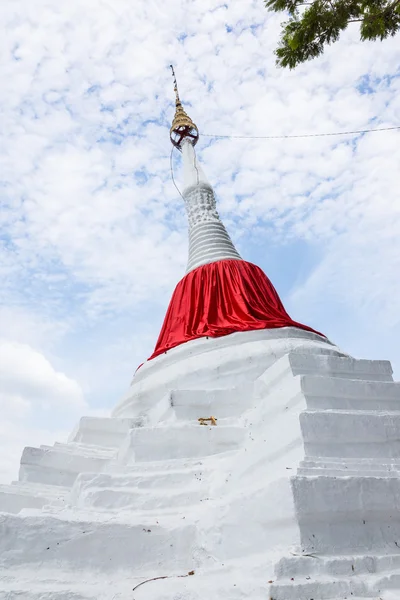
(182, 125)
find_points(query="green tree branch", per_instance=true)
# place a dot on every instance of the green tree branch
(313, 25)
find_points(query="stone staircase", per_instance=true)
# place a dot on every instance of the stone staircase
(323, 578)
(346, 488)
(150, 494)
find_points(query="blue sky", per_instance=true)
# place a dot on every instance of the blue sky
(93, 232)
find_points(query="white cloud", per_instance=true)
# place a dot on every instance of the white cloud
(35, 400)
(27, 378)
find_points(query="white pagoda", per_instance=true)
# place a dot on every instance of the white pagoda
(250, 458)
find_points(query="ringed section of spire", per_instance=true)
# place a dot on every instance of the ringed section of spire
(209, 241)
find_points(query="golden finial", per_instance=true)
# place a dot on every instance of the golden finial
(182, 125)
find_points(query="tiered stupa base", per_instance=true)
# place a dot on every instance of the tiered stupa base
(293, 495)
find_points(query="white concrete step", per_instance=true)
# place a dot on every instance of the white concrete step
(144, 479)
(119, 586)
(84, 450)
(60, 584)
(100, 543)
(112, 499)
(20, 495)
(355, 495)
(315, 472)
(57, 586)
(26, 593)
(332, 589)
(183, 441)
(171, 465)
(13, 500)
(303, 589)
(284, 370)
(348, 394)
(104, 431)
(347, 468)
(336, 566)
(57, 467)
(350, 514)
(142, 491)
(351, 434)
(53, 492)
(190, 405)
(388, 464)
(343, 367)
(388, 582)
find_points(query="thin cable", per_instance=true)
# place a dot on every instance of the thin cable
(195, 165)
(306, 135)
(172, 173)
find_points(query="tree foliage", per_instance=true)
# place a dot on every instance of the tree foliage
(314, 23)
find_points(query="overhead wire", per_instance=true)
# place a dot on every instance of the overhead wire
(305, 135)
(172, 170)
(172, 173)
(275, 137)
(195, 165)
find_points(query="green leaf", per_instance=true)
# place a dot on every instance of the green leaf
(314, 24)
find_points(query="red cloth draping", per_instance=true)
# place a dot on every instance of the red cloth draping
(220, 298)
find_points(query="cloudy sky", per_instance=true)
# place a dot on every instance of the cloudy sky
(92, 230)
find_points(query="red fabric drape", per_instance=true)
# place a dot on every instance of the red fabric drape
(221, 298)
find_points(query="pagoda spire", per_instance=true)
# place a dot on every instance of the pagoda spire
(221, 293)
(182, 125)
(209, 241)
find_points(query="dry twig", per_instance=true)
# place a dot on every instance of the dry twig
(161, 577)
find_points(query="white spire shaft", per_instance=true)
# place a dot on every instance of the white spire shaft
(208, 239)
(193, 174)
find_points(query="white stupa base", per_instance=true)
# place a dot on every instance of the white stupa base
(216, 363)
(293, 495)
